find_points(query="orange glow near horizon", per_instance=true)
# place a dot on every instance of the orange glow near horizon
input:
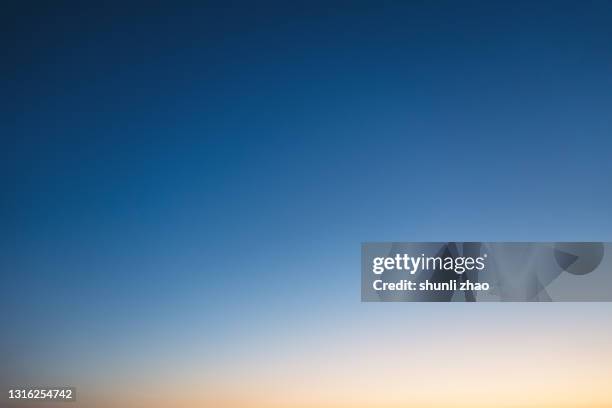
(507, 369)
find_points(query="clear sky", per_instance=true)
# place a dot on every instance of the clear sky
(186, 187)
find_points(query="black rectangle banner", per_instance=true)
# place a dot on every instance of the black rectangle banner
(486, 271)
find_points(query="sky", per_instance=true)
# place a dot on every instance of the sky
(186, 187)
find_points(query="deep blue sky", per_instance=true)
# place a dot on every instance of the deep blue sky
(165, 166)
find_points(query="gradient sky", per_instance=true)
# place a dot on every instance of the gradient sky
(185, 191)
